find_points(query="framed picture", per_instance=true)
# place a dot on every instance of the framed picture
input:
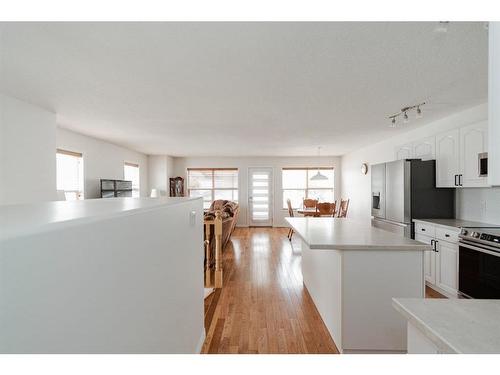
(176, 187)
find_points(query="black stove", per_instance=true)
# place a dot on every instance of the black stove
(479, 263)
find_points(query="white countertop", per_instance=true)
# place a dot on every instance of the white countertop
(349, 234)
(456, 223)
(24, 219)
(455, 325)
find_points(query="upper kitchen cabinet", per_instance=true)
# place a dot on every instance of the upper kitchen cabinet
(425, 149)
(473, 143)
(458, 156)
(404, 151)
(494, 104)
(447, 158)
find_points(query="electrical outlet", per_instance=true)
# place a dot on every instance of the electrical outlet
(192, 218)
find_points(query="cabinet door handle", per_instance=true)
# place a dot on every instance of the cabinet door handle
(435, 246)
(456, 183)
(460, 180)
(447, 235)
(432, 244)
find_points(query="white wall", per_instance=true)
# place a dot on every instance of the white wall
(242, 163)
(102, 160)
(160, 169)
(469, 200)
(27, 152)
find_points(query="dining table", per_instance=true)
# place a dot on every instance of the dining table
(309, 211)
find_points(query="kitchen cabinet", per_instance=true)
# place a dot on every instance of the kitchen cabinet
(441, 263)
(404, 151)
(447, 158)
(429, 259)
(473, 141)
(457, 156)
(494, 103)
(447, 266)
(425, 148)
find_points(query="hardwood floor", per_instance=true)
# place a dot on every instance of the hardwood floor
(431, 293)
(263, 306)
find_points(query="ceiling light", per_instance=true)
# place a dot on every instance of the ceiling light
(419, 113)
(405, 117)
(442, 27)
(404, 113)
(318, 176)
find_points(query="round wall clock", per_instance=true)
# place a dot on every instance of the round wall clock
(364, 168)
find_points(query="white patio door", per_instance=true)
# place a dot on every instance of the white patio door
(260, 194)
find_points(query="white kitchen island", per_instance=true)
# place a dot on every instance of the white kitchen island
(352, 271)
(120, 275)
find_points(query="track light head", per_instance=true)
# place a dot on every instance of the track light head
(405, 117)
(419, 113)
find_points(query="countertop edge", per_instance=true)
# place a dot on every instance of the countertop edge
(51, 226)
(416, 247)
(442, 345)
(431, 222)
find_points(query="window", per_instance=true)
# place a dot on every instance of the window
(69, 171)
(213, 184)
(131, 173)
(297, 185)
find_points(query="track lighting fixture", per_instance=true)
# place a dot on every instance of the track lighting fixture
(404, 112)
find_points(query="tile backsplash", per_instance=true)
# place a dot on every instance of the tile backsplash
(479, 204)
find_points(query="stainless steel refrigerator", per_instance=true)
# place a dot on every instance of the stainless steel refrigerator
(404, 190)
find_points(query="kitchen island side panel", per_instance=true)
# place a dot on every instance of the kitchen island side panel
(370, 280)
(322, 275)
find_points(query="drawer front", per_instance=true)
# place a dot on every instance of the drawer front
(107, 185)
(425, 229)
(447, 234)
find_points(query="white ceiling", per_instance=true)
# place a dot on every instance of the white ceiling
(187, 89)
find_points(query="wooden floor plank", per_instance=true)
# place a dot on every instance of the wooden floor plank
(263, 306)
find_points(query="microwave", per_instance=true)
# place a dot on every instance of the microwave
(482, 164)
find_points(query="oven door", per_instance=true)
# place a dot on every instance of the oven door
(478, 271)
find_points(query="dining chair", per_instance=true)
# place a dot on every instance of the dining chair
(309, 203)
(326, 209)
(344, 205)
(290, 213)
